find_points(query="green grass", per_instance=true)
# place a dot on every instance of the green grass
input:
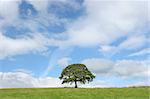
(71, 93)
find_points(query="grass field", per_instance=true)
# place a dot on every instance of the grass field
(71, 93)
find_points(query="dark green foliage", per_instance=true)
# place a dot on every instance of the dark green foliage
(76, 73)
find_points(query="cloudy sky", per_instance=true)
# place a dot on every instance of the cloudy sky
(38, 38)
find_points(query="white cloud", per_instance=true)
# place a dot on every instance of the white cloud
(131, 68)
(141, 52)
(26, 80)
(9, 8)
(121, 68)
(108, 84)
(39, 5)
(10, 47)
(138, 84)
(112, 20)
(9, 12)
(17, 79)
(134, 42)
(35, 42)
(99, 66)
(64, 61)
(49, 82)
(108, 50)
(33, 24)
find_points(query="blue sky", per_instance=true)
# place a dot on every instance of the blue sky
(38, 38)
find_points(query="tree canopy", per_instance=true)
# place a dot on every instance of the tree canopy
(76, 73)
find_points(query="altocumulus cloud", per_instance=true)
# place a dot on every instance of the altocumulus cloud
(121, 68)
(39, 40)
(26, 80)
(113, 20)
(10, 47)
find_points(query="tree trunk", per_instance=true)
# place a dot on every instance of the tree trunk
(76, 86)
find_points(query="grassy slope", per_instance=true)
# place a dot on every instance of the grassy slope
(70, 93)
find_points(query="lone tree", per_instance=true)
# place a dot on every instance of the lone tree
(76, 73)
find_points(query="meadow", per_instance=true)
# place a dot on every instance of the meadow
(79, 93)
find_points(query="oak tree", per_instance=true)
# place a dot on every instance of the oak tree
(76, 73)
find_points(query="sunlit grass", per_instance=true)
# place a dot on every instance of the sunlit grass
(71, 93)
